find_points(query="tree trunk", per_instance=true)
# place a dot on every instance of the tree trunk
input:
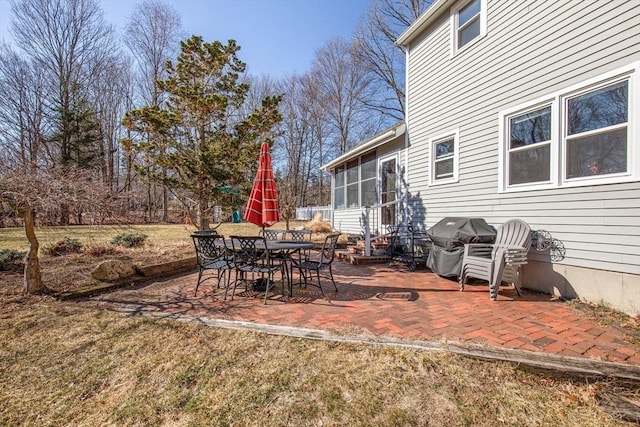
(203, 215)
(165, 204)
(32, 275)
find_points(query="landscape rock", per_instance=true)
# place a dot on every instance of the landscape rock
(113, 269)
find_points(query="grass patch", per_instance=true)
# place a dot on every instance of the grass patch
(158, 234)
(129, 240)
(63, 364)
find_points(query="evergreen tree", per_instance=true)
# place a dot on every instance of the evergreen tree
(199, 135)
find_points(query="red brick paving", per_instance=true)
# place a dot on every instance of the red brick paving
(425, 307)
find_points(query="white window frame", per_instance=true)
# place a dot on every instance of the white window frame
(558, 103)
(454, 19)
(455, 135)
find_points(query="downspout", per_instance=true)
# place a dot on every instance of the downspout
(406, 133)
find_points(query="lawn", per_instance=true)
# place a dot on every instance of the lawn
(159, 234)
(165, 242)
(65, 364)
(62, 363)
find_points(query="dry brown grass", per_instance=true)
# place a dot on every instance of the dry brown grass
(318, 224)
(165, 242)
(62, 364)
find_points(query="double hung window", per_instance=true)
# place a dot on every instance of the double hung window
(579, 136)
(444, 158)
(596, 133)
(469, 22)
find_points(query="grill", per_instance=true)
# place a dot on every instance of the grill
(449, 236)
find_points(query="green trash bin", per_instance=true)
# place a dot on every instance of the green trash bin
(235, 218)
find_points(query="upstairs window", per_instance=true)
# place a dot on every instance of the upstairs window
(469, 22)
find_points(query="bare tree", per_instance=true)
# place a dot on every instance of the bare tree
(377, 53)
(153, 34)
(340, 87)
(109, 96)
(70, 42)
(21, 111)
(31, 193)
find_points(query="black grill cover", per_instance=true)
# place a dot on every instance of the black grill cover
(452, 232)
(449, 236)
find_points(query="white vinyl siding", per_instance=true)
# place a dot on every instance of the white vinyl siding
(531, 51)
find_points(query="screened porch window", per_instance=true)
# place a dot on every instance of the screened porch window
(368, 171)
(352, 184)
(338, 192)
(355, 183)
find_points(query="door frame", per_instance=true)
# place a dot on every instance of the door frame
(381, 160)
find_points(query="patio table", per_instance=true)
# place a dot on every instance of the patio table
(286, 247)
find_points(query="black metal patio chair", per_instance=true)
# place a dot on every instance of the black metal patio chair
(319, 261)
(212, 254)
(251, 259)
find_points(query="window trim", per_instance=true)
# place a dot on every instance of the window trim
(455, 134)
(454, 19)
(558, 102)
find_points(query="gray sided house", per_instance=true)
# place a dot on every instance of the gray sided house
(531, 109)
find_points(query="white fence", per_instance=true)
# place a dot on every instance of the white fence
(308, 212)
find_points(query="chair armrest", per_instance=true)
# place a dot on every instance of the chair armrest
(483, 250)
(514, 255)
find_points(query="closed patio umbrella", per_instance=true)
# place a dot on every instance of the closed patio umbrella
(262, 206)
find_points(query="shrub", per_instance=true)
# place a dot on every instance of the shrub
(129, 240)
(11, 259)
(63, 247)
(318, 225)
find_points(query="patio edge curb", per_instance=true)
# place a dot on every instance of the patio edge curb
(553, 362)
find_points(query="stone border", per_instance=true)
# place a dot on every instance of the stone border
(144, 274)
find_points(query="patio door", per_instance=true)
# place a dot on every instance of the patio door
(388, 192)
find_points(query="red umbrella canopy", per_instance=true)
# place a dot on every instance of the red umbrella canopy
(262, 206)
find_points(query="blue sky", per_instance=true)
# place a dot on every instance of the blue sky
(277, 37)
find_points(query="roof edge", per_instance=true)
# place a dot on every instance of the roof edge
(374, 142)
(423, 21)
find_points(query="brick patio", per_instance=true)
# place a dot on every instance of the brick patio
(381, 300)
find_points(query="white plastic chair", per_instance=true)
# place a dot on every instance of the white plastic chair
(499, 261)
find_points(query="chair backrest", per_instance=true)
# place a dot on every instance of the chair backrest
(298, 235)
(328, 251)
(208, 247)
(249, 250)
(272, 234)
(514, 232)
